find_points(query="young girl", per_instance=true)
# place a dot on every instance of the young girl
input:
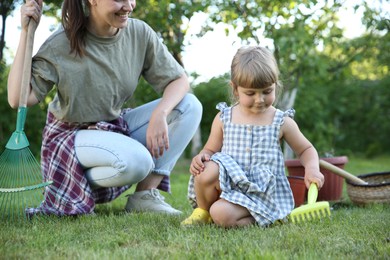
(238, 178)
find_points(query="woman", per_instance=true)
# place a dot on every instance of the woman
(93, 149)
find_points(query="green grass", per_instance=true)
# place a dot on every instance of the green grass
(352, 232)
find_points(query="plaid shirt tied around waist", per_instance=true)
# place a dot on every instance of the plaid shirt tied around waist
(70, 193)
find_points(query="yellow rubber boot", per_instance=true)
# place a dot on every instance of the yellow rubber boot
(198, 216)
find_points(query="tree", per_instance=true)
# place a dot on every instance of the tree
(167, 18)
(312, 53)
(6, 8)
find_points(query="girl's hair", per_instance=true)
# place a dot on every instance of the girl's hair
(74, 21)
(255, 67)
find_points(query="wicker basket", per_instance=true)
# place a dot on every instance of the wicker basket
(376, 191)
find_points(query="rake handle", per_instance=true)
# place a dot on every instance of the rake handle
(26, 76)
(312, 194)
(341, 172)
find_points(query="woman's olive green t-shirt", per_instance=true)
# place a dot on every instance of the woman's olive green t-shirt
(94, 87)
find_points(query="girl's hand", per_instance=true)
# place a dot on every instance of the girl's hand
(31, 9)
(314, 175)
(197, 165)
(157, 140)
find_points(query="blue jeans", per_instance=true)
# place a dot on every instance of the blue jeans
(112, 160)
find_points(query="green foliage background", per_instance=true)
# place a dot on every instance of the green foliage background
(343, 84)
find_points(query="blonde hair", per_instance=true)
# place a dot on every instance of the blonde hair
(255, 67)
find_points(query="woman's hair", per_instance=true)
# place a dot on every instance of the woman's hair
(255, 67)
(74, 21)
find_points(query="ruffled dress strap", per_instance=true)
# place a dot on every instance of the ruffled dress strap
(225, 112)
(280, 115)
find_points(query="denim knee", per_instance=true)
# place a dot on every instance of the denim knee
(193, 106)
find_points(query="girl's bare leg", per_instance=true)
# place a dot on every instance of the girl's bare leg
(207, 192)
(228, 215)
(207, 186)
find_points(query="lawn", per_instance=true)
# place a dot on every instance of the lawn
(352, 232)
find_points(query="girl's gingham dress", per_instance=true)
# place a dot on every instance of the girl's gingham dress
(251, 168)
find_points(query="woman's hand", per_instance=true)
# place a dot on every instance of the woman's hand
(197, 163)
(157, 139)
(31, 9)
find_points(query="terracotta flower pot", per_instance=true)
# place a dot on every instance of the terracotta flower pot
(298, 188)
(333, 186)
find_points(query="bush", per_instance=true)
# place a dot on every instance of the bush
(337, 117)
(210, 94)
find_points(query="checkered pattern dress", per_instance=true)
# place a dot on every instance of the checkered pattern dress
(251, 168)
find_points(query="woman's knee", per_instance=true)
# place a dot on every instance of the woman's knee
(112, 158)
(125, 171)
(192, 106)
(137, 170)
(136, 163)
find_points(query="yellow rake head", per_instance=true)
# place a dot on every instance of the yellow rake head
(312, 210)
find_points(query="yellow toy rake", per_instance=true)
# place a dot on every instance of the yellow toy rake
(312, 210)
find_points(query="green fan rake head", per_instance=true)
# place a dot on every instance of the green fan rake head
(312, 210)
(21, 185)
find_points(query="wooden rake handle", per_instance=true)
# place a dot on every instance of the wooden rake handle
(26, 76)
(341, 172)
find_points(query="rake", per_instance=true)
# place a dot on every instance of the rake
(21, 185)
(312, 210)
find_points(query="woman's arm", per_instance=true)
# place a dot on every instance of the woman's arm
(157, 134)
(30, 10)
